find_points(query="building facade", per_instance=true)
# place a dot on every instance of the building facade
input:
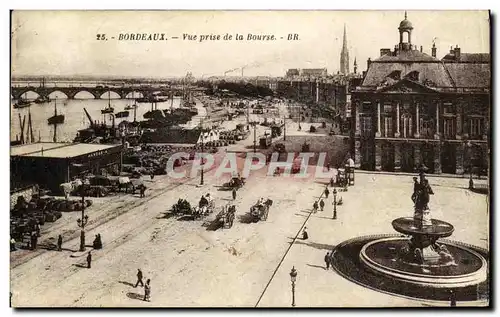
(414, 109)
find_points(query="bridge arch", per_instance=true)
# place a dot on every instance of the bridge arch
(134, 94)
(58, 93)
(28, 94)
(113, 94)
(84, 94)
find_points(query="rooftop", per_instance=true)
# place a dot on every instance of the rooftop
(57, 150)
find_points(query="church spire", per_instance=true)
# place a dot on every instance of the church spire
(344, 55)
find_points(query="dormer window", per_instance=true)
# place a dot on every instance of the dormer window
(396, 75)
(413, 76)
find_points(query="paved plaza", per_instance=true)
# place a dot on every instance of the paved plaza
(190, 266)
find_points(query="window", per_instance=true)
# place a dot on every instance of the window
(387, 108)
(414, 75)
(448, 108)
(449, 129)
(427, 128)
(407, 125)
(396, 75)
(475, 127)
(388, 127)
(366, 126)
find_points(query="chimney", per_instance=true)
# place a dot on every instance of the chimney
(368, 63)
(457, 52)
(385, 51)
(421, 49)
(451, 50)
(434, 50)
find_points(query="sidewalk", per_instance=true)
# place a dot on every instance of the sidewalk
(368, 209)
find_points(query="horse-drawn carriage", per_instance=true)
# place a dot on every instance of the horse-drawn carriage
(236, 182)
(260, 211)
(225, 217)
(342, 180)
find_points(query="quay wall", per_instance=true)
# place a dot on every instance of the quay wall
(27, 192)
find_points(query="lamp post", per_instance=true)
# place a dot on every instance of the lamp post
(471, 182)
(293, 278)
(82, 222)
(334, 203)
(254, 136)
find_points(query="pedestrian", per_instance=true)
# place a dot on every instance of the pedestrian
(327, 260)
(331, 182)
(12, 244)
(453, 299)
(315, 207)
(34, 240)
(305, 236)
(321, 204)
(59, 243)
(147, 291)
(152, 176)
(327, 192)
(139, 278)
(89, 259)
(37, 228)
(142, 189)
(234, 194)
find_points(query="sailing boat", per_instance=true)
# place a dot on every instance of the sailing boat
(22, 103)
(131, 107)
(108, 109)
(56, 118)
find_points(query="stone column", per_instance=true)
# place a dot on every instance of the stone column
(485, 128)
(357, 153)
(437, 159)
(378, 134)
(358, 125)
(398, 119)
(405, 120)
(411, 127)
(378, 155)
(458, 134)
(417, 158)
(417, 123)
(397, 157)
(436, 135)
(459, 155)
(317, 91)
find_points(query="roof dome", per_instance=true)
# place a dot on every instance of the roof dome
(405, 24)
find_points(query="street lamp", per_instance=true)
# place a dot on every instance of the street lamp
(82, 222)
(471, 182)
(293, 278)
(334, 203)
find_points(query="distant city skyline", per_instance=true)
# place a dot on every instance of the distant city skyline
(63, 43)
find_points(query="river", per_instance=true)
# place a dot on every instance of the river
(75, 117)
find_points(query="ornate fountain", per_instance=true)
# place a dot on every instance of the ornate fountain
(418, 257)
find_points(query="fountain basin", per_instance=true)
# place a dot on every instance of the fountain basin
(385, 256)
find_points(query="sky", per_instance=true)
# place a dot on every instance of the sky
(64, 43)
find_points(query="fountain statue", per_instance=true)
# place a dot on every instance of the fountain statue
(418, 258)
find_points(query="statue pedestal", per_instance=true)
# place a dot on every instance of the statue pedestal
(423, 217)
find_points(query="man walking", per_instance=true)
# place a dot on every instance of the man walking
(139, 278)
(234, 194)
(321, 204)
(327, 260)
(147, 291)
(59, 243)
(327, 192)
(315, 207)
(89, 260)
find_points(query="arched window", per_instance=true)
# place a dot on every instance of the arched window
(414, 75)
(406, 37)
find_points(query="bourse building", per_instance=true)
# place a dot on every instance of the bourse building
(414, 109)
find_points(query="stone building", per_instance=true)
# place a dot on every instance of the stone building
(414, 109)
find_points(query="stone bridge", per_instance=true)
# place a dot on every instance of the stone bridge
(96, 91)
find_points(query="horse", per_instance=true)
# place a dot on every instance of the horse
(70, 187)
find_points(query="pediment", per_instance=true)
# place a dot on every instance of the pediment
(405, 86)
